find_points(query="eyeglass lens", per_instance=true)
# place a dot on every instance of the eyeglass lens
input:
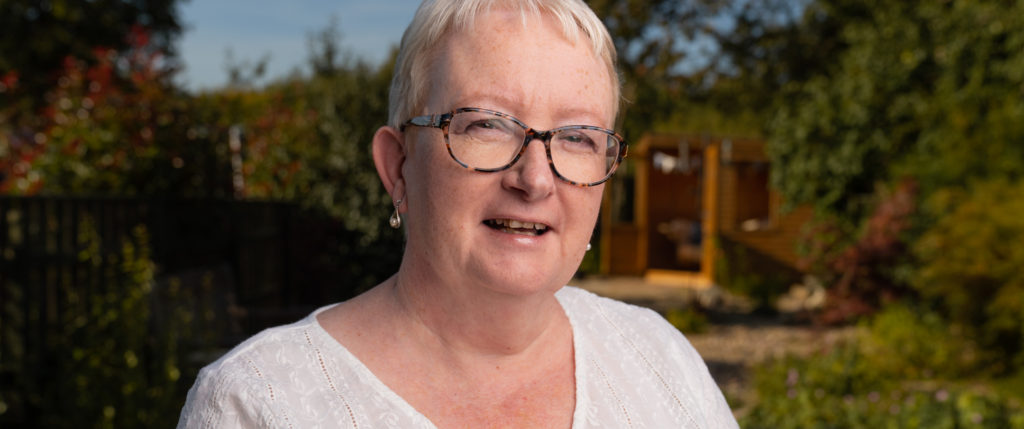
(486, 141)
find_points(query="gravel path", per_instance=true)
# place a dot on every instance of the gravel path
(733, 350)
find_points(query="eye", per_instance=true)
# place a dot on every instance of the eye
(486, 128)
(577, 141)
(484, 124)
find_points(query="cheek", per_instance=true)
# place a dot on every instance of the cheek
(584, 208)
(447, 192)
(426, 168)
(592, 199)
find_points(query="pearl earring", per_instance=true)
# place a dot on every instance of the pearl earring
(588, 247)
(396, 220)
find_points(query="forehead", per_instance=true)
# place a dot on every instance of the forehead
(520, 66)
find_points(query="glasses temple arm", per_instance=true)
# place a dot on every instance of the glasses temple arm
(434, 121)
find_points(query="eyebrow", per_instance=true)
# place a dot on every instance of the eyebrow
(503, 103)
(490, 101)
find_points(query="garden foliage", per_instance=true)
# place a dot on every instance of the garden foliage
(905, 369)
(842, 390)
(922, 104)
(113, 123)
(928, 90)
(115, 352)
(909, 142)
(972, 266)
(902, 123)
(39, 36)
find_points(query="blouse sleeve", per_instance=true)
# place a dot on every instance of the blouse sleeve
(221, 398)
(717, 410)
(689, 369)
(659, 379)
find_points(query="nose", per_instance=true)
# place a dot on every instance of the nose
(531, 176)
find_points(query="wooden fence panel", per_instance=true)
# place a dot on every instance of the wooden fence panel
(246, 265)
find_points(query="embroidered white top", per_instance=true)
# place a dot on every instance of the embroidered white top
(633, 370)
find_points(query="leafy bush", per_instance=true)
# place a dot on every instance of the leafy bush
(862, 270)
(119, 374)
(922, 90)
(906, 368)
(927, 90)
(842, 389)
(972, 264)
(688, 320)
(106, 358)
(115, 125)
(307, 139)
(911, 343)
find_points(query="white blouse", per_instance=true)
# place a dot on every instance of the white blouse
(633, 370)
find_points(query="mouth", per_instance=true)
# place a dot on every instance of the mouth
(512, 226)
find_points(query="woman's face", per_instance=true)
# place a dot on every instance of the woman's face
(455, 215)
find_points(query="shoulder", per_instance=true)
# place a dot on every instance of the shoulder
(589, 310)
(619, 325)
(243, 386)
(273, 347)
(651, 367)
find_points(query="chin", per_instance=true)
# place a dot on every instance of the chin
(528, 278)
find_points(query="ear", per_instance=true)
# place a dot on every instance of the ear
(389, 157)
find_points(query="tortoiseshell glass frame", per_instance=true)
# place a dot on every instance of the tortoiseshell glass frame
(442, 122)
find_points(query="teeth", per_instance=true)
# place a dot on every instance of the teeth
(515, 224)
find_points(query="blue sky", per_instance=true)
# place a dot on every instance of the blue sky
(253, 29)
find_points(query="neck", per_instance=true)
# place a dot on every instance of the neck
(474, 321)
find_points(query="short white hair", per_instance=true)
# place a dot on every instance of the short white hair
(437, 18)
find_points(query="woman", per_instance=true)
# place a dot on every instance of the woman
(476, 329)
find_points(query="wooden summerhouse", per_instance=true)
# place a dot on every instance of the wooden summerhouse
(681, 198)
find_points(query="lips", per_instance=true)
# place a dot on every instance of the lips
(513, 226)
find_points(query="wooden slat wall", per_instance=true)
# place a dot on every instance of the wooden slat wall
(779, 239)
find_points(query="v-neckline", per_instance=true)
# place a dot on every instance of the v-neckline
(581, 400)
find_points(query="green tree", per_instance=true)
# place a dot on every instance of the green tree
(709, 65)
(115, 128)
(926, 90)
(39, 35)
(87, 104)
(927, 94)
(351, 101)
(308, 139)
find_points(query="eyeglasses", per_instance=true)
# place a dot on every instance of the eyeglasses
(488, 141)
